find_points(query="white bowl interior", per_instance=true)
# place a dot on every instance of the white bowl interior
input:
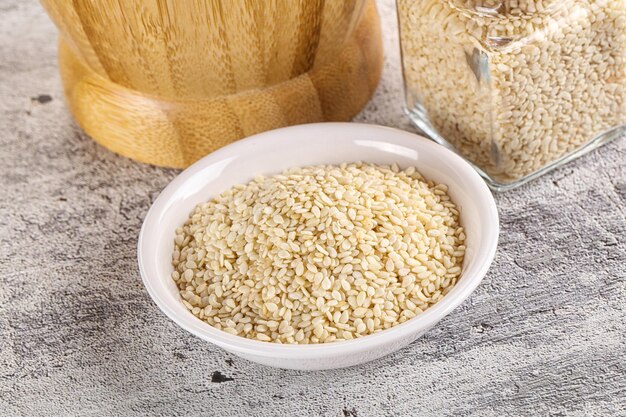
(328, 143)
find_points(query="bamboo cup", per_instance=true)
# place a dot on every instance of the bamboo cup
(167, 82)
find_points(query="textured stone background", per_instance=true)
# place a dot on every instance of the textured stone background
(543, 335)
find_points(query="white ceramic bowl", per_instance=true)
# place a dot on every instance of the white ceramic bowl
(323, 143)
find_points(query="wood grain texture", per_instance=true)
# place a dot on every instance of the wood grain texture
(168, 82)
(543, 335)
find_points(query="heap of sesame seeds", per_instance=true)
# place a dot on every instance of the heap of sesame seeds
(319, 254)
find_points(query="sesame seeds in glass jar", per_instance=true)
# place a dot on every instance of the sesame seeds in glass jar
(516, 87)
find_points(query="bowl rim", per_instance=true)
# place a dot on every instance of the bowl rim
(460, 292)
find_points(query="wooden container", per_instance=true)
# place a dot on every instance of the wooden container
(167, 82)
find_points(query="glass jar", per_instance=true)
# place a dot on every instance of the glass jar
(517, 87)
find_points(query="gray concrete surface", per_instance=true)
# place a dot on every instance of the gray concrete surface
(543, 335)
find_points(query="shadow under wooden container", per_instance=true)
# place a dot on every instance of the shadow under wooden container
(170, 84)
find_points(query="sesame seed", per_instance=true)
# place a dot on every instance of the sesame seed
(296, 258)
